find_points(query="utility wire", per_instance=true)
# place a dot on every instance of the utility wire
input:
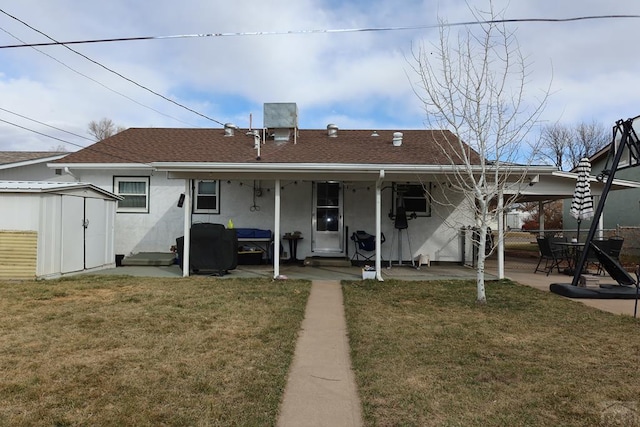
(56, 42)
(44, 124)
(90, 148)
(317, 31)
(41, 133)
(97, 82)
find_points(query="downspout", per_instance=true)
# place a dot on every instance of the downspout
(186, 250)
(68, 172)
(276, 232)
(378, 227)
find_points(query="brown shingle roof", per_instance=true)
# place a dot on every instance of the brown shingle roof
(8, 157)
(147, 145)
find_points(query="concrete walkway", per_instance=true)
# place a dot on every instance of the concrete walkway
(321, 389)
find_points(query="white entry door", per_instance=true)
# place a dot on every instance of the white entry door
(328, 234)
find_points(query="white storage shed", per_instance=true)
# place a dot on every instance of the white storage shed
(49, 229)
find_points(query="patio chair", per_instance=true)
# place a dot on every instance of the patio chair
(592, 256)
(551, 254)
(365, 245)
(615, 247)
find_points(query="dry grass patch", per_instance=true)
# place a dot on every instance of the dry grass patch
(426, 355)
(105, 350)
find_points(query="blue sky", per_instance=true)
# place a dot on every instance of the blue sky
(356, 80)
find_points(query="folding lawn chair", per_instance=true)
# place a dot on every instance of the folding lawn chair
(365, 245)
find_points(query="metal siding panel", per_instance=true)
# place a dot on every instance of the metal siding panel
(18, 254)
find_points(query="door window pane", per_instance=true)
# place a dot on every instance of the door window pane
(328, 194)
(327, 219)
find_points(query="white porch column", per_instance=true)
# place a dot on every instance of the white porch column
(379, 227)
(501, 236)
(276, 231)
(541, 217)
(186, 250)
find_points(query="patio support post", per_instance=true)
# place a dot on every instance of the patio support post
(276, 232)
(186, 249)
(378, 226)
(500, 236)
(541, 217)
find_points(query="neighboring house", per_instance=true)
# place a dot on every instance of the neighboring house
(28, 165)
(325, 184)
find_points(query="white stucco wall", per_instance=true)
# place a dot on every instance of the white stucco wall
(157, 230)
(35, 172)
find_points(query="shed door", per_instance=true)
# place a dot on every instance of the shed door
(327, 219)
(95, 233)
(72, 241)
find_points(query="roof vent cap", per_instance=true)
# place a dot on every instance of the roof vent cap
(229, 129)
(375, 133)
(397, 139)
(332, 130)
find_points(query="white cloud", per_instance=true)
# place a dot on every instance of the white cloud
(356, 80)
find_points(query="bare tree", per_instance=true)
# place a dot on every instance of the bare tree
(473, 84)
(588, 139)
(103, 129)
(565, 145)
(60, 148)
(556, 140)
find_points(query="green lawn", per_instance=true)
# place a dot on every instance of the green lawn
(106, 350)
(426, 355)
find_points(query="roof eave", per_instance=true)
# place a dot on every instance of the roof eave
(311, 167)
(31, 162)
(100, 166)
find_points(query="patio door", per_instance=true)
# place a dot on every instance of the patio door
(327, 218)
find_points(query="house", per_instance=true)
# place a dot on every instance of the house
(323, 184)
(28, 165)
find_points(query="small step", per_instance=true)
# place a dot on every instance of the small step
(149, 258)
(317, 261)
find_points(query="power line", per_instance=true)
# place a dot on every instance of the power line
(55, 42)
(97, 82)
(317, 31)
(44, 124)
(90, 148)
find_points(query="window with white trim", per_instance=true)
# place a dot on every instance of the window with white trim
(135, 191)
(205, 196)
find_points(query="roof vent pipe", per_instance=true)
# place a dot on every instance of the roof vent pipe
(332, 130)
(397, 139)
(229, 129)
